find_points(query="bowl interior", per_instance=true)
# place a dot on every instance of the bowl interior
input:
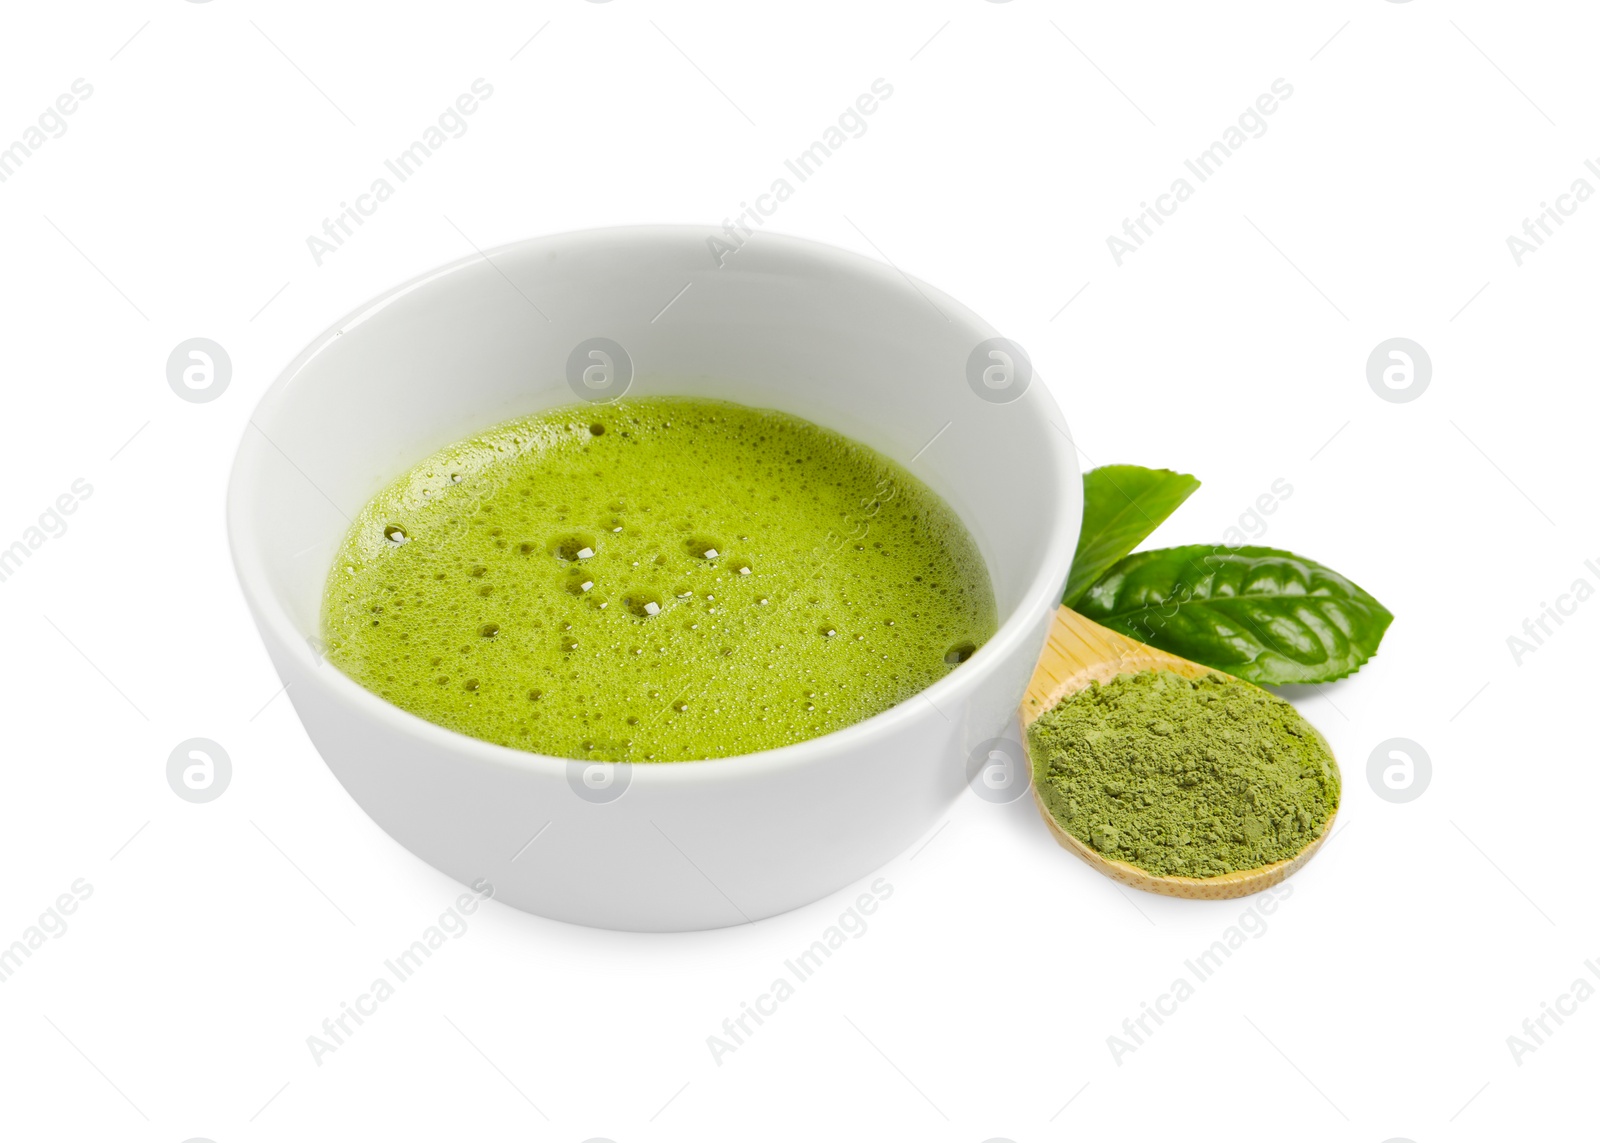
(783, 323)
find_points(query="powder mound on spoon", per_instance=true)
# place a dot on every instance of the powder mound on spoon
(1184, 777)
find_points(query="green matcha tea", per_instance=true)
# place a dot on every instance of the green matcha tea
(1184, 777)
(654, 581)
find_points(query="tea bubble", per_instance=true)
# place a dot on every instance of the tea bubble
(959, 654)
(572, 548)
(702, 547)
(643, 604)
(579, 582)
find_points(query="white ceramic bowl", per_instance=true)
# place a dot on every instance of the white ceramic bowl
(783, 323)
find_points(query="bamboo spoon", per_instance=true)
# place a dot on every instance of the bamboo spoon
(1080, 651)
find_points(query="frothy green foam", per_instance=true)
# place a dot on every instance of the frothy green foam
(654, 580)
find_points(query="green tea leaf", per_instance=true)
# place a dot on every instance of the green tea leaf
(1122, 504)
(1265, 615)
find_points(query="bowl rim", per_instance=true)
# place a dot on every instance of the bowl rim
(272, 617)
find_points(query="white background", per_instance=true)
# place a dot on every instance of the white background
(1379, 1000)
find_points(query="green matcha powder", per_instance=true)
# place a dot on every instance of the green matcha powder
(1184, 777)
